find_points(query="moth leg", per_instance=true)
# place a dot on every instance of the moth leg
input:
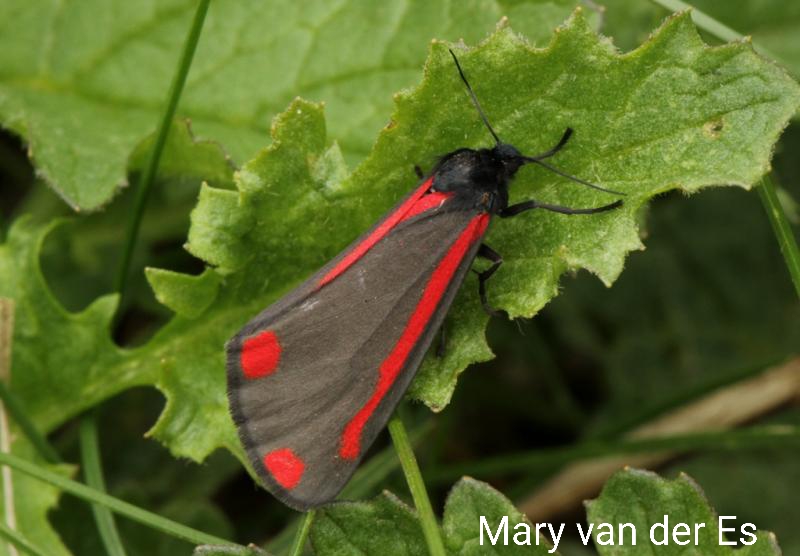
(418, 171)
(558, 147)
(442, 341)
(486, 252)
(514, 210)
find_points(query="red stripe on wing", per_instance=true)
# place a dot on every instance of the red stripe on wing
(391, 367)
(377, 234)
(427, 202)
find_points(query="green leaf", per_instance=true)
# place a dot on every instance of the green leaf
(84, 82)
(230, 230)
(382, 526)
(771, 23)
(628, 22)
(187, 295)
(466, 503)
(33, 500)
(761, 476)
(386, 526)
(690, 116)
(80, 253)
(643, 499)
(659, 133)
(185, 160)
(77, 369)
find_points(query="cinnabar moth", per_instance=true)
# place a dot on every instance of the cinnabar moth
(314, 378)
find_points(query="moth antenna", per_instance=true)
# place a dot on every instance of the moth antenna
(535, 160)
(474, 99)
(569, 176)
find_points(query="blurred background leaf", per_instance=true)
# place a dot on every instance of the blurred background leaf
(643, 499)
(82, 83)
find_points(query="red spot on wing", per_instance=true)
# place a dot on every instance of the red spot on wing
(285, 466)
(260, 355)
(427, 202)
(378, 233)
(350, 445)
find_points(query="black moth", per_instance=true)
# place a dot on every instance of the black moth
(314, 378)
